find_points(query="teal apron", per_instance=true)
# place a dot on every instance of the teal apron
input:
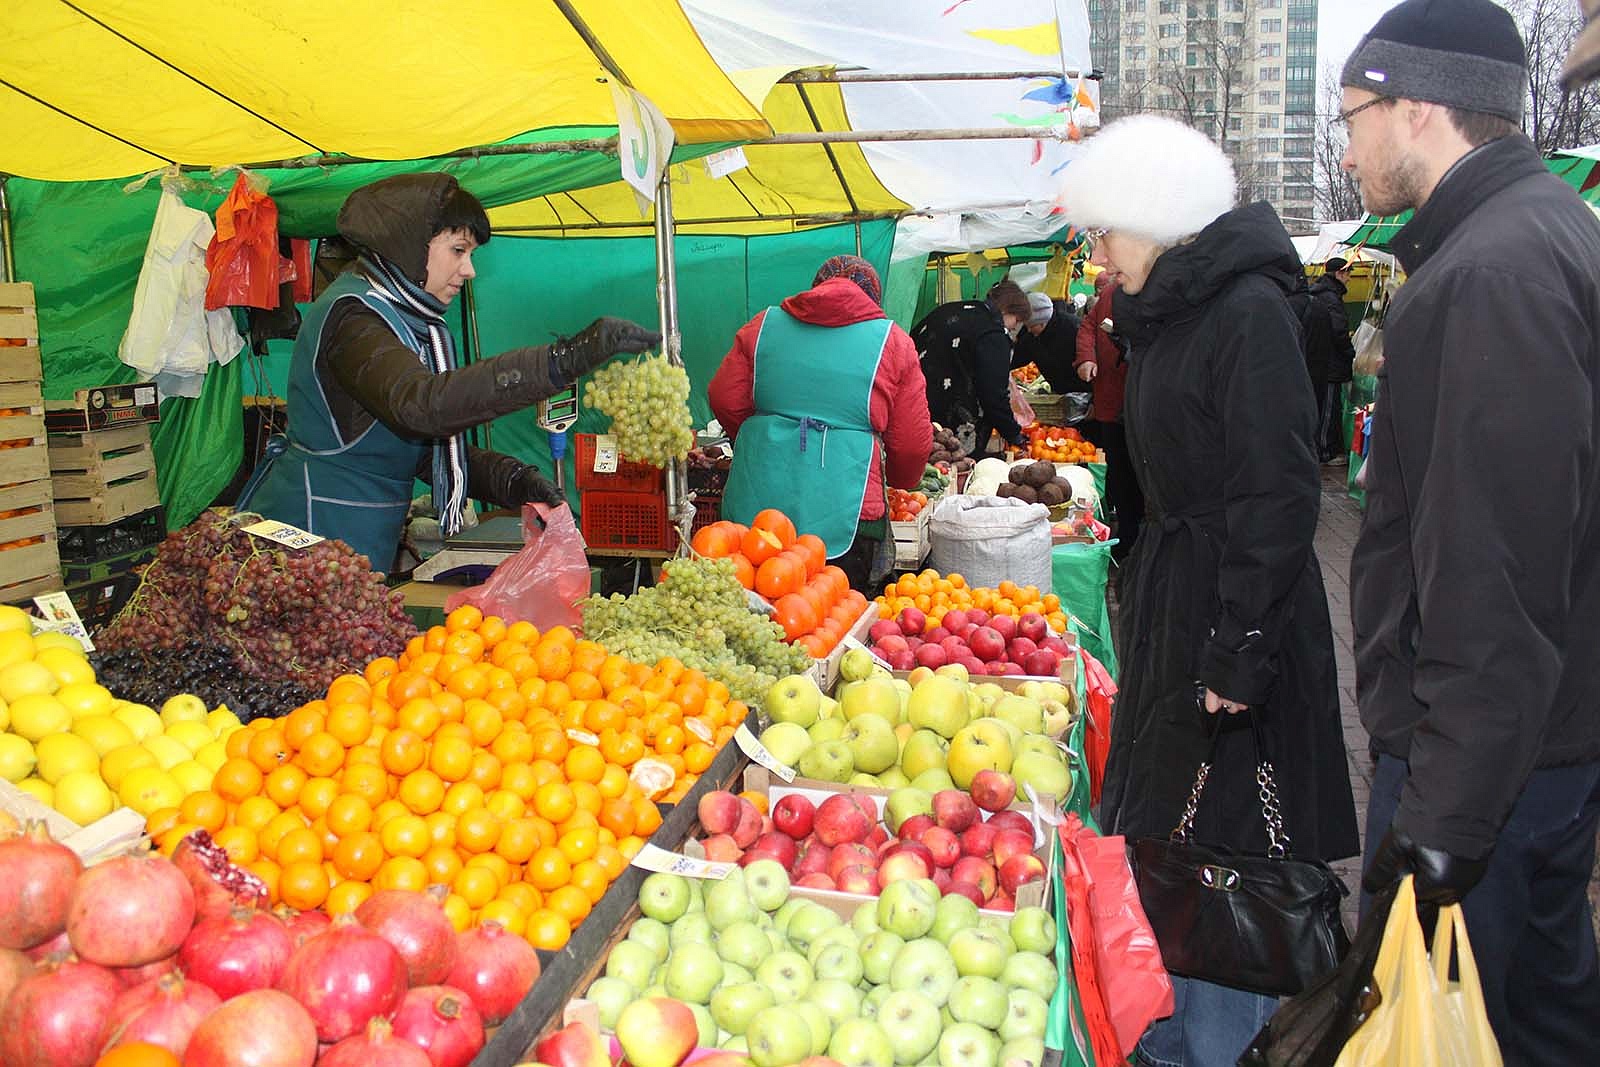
(357, 491)
(808, 450)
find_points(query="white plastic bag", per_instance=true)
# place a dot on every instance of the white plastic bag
(988, 539)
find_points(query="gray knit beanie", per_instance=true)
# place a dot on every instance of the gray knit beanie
(1464, 54)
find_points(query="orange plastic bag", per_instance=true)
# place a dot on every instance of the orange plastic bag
(543, 582)
(243, 258)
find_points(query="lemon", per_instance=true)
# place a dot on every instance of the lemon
(192, 776)
(191, 735)
(25, 679)
(103, 732)
(149, 789)
(15, 647)
(143, 721)
(16, 758)
(39, 715)
(82, 797)
(65, 664)
(86, 698)
(115, 765)
(168, 753)
(53, 639)
(185, 707)
(15, 619)
(40, 790)
(222, 721)
(5, 716)
(63, 754)
(211, 756)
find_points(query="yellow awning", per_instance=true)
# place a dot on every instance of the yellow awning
(785, 187)
(106, 88)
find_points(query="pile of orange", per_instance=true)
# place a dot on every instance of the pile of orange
(521, 769)
(934, 594)
(904, 506)
(811, 599)
(1060, 444)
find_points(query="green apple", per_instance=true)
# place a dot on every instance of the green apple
(664, 897)
(733, 1007)
(728, 902)
(952, 670)
(980, 1000)
(878, 952)
(709, 1031)
(842, 934)
(912, 1023)
(1016, 735)
(782, 917)
(817, 1021)
(871, 696)
(830, 708)
(865, 919)
(735, 1043)
(656, 936)
(787, 974)
(925, 750)
(968, 1045)
(893, 778)
(924, 966)
(1039, 743)
(938, 704)
(735, 973)
(794, 699)
(907, 907)
(933, 779)
(861, 1043)
(1026, 1015)
(829, 761)
(1031, 971)
(1048, 775)
(1023, 1052)
(839, 960)
(855, 665)
(632, 963)
(1034, 930)
(904, 803)
(611, 995)
(981, 745)
(988, 694)
(862, 778)
(1022, 712)
(768, 885)
(787, 741)
(1057, 717)
(744, 943)
(954, 914)
(693, 971)
(691, 929)
(838, 999)
(810, 923)
(829, 729)
(979, 952)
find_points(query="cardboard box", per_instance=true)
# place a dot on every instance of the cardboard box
(104, 407)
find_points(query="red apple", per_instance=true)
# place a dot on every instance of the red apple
(850, 854)
(954, 620)
(966, 632)
(817, 880)
(883, 628)
(986, 644)
(972, 663)
(916, 847)
(775, 845)
(857, 879)
(954, 810)
(574, 1045)
(995, 668)
(813, 858)
(721, 848)
(657, 1030)
(944, 845)
(901, 865)
(1019, 649)
(1001, 901)
(931, 655)
(891, 643)
(977, 616)
(1042, 664)
(793, 815)
(913, 642)
(941, 878)
(719, 812)
(965, 889)
(1014, 670)
(1010, 843)
(901, 661)
(914, 826)
(1033, 626)
(993, 790)
(1018, 871)
(978, 839)
(749, 825)
(845, 817)
(1057, 645)
(1011, 819)
(953, 647)
(912, 621)
(978, 872)
(877, 836)
(935, 634)
(1005, 626)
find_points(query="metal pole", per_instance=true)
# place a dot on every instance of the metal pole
(975, 133)
(680, 508)
(535, 148)
(8, 265)
(814, 219)
(849, 76)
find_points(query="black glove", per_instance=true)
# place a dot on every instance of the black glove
(1441, 878)
(531, 487)
(573, 357)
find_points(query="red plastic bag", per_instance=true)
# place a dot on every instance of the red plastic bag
(1132, 978)
(1102, 694)
(243, 257)
(1021, 410)
(543, 582)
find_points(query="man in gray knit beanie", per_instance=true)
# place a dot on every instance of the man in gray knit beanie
(1475, 625)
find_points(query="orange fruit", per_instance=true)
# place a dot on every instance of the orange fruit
(401, 872)
(461, 797)
(570, 902)
(421, 791)
(484, 770)
(268, 748)
(443, 865)
(303, 885)
(579, 843)
(405, 835)
(204, 809)
(466, 617)
(138, 1054)
(441, 829)
(237, 779)
(617, 815)
(254, 812)
(549, 743)
(420, 715)
(548, 930)
(404, 750)
(555, 802)
(316, 796)
(519, 778)
(347, 896)
(548, 868)
(505, 804)
(519, 840)
(269, 836)
(512, 746)
(611, 860)
(366, 780)
(298, 846)
(379, 669)
(476, 885)
(300, 724)
(283, 785)
(585, 764)
(349, 723)
(359, 856)
(591, 879)
(477, 830)
(238, 842)
(451, 758)
(348, 814)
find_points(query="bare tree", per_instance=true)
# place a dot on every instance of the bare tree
(1555, 120)
(1338, 196)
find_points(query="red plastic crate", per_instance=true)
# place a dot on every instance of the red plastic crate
(707, 510)
(621, 519)
(630, 476)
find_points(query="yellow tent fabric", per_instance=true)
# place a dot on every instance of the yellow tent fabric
(107, 88)
(781, 181)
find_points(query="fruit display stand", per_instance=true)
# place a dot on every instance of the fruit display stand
(568, 972)
(825, 671)
(912, 540)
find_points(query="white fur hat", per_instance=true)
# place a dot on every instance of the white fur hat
(1150, 177)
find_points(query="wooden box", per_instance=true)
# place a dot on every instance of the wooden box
(104, 407)
(103, 475)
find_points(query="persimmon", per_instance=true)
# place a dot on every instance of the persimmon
(760, 545)
(795, 614)
(716, 541)
(815, 553)
(744, 572)
(779, 576)
(777, 523)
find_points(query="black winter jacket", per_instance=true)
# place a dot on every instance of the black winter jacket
(966, 361)
(1475, 584)
(1223, 588)
(1053, 351)
(1329, 352)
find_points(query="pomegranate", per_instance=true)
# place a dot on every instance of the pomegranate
(129, 977)
(442, 1022)
(245, 950)
(57, 945)
(261, 1028)
(218, 885)
(36, 877)
(415, 924)
(303, 925)
(14, 967)
(377, 1047)
(55, 1016)
(130, 910)
(344, 977)
(494, 967)
(162, 1012)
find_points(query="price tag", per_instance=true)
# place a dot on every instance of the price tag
(699, 729)
(605, 453)
(855, 642)
(582, 737)
(59, 616)
(758, 752)
(284, 534)
(723, 163)
(661, 861)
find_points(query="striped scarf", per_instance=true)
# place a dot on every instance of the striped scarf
(423, 315)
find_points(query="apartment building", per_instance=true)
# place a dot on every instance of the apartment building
(1244, 72)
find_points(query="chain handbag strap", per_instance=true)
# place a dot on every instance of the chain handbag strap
(1266, 787)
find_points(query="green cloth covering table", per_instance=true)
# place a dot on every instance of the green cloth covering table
(1078, 576)
(1099, 472)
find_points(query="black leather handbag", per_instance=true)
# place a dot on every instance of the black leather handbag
(1267, 922)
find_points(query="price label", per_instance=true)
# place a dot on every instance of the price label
(699, 729)
(855, 642)
(582, 737)
(723, 163)
(284, 534)
(758, 752)
(661, 861)
(60, 616)
(605, 453)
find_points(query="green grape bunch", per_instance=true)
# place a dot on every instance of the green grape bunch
(647, 400)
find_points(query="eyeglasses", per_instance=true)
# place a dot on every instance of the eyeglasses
(1343, 118)
(1091, 236)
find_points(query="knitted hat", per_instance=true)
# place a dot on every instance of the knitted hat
(1335, 265)
(1044, 309)
(1150, 177)
(1465, 54)
(857, 270)
(1583, 62)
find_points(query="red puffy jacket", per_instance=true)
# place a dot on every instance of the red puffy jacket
(1096, 346)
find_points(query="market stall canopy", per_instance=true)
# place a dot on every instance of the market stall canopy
(1578, 167)
(110, 88)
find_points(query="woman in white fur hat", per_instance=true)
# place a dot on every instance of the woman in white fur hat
(1223, 609)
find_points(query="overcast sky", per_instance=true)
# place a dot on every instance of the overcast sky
(1340, 26)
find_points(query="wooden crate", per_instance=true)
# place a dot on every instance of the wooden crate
(103, 476)
(28, 570)
(19, 317)
(913, 540)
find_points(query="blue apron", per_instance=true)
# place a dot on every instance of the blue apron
(358, 491)
(808, 450)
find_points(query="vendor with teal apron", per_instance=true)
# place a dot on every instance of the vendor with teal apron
(375, 398)
(824, 401)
